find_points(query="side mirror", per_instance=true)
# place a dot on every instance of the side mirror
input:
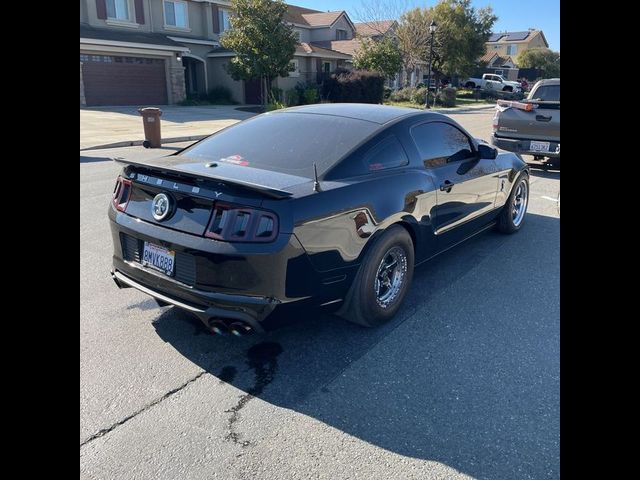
(487, 151)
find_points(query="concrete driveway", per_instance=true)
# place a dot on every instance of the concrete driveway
(116, 126)
(463, 383)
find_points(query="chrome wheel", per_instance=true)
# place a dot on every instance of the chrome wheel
(520, 200)
(391, 276)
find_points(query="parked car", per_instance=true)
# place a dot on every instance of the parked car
(533, 126)
(323, 205)
(493, 82)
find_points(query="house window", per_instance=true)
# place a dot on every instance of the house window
(118, 10)
(297, 34)
(176, 14)
(223, 19)
(341, 35)
(326, 67)
(512, 49)
(294, 68)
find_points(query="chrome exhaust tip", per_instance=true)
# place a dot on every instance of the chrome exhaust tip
(240, 329)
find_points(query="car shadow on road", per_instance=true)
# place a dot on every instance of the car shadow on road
(467, 374)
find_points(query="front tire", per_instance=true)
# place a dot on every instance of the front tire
(512, 216)
(383, 280)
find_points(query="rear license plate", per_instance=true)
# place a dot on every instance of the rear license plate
(539, 146)
(158, 258)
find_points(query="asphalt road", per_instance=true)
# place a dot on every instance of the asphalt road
(464, 383)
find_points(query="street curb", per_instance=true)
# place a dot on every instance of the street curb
(132, 143)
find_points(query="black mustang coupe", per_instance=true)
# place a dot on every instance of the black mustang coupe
(322, 205)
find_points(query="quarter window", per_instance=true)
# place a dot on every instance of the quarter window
(176, 14)
(440, 143)
(118, 10)
(386, 154)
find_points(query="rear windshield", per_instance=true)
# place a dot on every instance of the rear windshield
(546, 93)
(285, 142)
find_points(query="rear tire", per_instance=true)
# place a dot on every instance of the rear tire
(514, 211)
(382, 281)
(507, 89)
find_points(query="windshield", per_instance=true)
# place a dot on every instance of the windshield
(285, 142)
(546, 93)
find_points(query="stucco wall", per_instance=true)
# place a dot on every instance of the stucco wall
(219, 76)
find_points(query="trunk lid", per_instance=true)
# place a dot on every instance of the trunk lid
(195, 188)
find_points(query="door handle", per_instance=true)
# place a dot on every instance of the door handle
(446, 186)
(542, 118)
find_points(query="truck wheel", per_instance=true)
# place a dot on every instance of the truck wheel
(470, 85)
(382, 281)
(507, 89)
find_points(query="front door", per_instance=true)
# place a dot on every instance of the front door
(466, 185)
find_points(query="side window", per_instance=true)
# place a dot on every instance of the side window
(384, 155)
(441, 143)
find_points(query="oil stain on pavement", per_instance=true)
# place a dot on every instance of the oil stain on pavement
(263, 359)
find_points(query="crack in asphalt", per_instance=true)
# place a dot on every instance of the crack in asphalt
(104, 431)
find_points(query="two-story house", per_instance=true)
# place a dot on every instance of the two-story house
(135, 52)
(503, 48)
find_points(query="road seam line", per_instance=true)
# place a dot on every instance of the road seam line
(104, 431)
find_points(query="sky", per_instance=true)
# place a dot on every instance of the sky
(513, 15)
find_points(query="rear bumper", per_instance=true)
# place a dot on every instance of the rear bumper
(522, 146)
(218, 280)
(204, 305)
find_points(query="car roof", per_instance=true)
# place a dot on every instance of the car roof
(379, 114)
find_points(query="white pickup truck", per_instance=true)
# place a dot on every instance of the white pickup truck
(493, 82)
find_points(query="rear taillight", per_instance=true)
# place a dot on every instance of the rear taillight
(232, 223)
(121, 194)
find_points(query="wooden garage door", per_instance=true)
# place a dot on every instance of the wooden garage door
(114, 80)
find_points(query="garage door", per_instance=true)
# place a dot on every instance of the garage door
(115, 80)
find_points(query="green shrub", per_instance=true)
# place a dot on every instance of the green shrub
(292, 97)
(310, 95)
(274, 105)
(221, 95)
(356, 86)
(402, 95)
(418, 95)
(277, 94)
(447, 97)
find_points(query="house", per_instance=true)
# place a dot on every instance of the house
(503, 48)
(509, 44)
(156, 52)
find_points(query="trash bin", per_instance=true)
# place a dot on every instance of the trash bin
(151, 121)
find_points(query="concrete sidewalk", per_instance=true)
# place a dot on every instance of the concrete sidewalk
(103, 127)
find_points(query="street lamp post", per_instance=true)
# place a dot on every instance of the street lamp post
(432, 31)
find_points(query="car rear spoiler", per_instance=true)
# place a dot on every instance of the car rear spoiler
(263, 189)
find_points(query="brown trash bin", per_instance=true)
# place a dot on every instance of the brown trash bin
(151, 121)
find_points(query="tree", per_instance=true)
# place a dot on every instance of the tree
(264, 45)
(541, 58)
(459, 39)
(381, 56)
(412, 35)
(461, 35)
